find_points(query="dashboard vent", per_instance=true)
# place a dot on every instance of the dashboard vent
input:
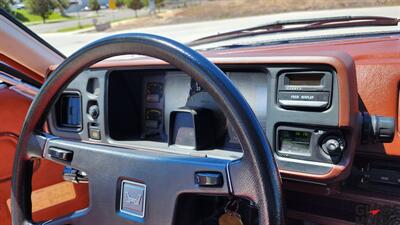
(69, 111)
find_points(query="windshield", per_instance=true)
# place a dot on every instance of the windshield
(71, 24)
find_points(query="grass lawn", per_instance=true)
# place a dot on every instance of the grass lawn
(85, 26)
(77, 27)
(24, 16)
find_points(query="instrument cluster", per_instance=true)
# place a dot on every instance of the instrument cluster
(296, 105)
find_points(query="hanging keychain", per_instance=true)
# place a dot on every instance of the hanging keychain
(231, 215)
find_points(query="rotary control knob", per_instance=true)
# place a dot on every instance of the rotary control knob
(333, 145)
(94, 111)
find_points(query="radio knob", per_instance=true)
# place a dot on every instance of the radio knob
(333, 145)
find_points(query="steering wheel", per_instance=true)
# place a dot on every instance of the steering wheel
(159, 177)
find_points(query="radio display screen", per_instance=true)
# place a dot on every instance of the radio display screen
(294, 142)
(304, 79)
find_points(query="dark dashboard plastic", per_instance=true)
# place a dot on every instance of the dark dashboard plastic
(135, 104)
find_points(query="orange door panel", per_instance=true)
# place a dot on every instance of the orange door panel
(52, 197)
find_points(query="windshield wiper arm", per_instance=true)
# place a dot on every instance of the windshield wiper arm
(301, 25)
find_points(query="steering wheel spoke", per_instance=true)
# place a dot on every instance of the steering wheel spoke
(75, 218)
(36, 144)
(241, 180)
(115, 174)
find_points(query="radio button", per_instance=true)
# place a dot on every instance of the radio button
(303, 99)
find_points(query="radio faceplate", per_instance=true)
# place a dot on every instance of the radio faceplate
(312, 144)
(304, 90)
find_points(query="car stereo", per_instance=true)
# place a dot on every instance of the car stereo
(309, 143)
(305, 90)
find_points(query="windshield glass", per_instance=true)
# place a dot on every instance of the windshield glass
(70, 24)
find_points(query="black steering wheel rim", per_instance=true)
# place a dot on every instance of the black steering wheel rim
(258, 180)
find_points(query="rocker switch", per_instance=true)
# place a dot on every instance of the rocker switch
(208, 179)
(61, 154)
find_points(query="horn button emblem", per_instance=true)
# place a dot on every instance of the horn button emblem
(133, 198)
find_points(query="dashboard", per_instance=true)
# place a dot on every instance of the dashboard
(309, 99)
(305, 109)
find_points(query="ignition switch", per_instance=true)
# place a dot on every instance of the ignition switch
(333, 145)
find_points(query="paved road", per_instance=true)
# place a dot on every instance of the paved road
(70, 42)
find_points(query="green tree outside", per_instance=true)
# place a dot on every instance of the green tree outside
(159, 4)
(61, 5)
(94, 5)
(119, 3)
(135, 5)
(5, 4)
(42, 8)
